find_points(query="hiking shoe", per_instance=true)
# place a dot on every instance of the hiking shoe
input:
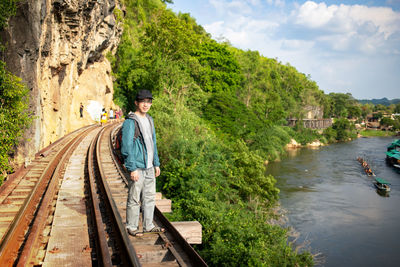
(134, 232)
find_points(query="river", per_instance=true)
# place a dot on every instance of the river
(334, 206)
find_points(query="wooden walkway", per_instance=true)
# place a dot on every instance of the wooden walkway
(69, 238)
(62, 229)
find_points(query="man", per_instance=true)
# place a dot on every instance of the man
(141, 160)
(81, 110)
(111, 114)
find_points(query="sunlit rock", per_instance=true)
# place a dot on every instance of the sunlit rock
(58, 48)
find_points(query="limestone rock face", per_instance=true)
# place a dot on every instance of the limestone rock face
(315, 144)
(58, 48)
(293, 144)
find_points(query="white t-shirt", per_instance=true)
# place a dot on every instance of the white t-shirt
(147, 133)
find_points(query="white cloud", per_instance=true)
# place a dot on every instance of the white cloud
(314, 15)
(345, 27)
(297, 44)
(254, 2)
(243, 31)
(345, 18)
(231, 7)
(277, 3)
(338, 45)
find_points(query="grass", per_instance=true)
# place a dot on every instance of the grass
(374, 133)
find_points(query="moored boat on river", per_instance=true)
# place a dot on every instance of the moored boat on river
(393, 154)
(382, 184)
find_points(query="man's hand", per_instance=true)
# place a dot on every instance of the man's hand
(135, 176)
(158, 171)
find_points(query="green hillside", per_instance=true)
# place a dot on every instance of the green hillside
(220, 114)
(382, 101)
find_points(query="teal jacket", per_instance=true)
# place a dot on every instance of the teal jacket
(134, 150)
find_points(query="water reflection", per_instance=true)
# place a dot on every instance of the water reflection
(382, 193)
(335, 206)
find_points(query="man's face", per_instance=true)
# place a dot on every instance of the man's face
(143, 105)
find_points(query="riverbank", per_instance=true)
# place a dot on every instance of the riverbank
(293, 144)
(376, 133)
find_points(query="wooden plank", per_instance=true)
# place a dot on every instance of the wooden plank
(15, 197)
(152, 253)
(69, 238)
(146, 239)
(7, 217)
(67, 248)
(164, 205)
(70, 215)
(10, 207)
(165, 263)
(191, 231)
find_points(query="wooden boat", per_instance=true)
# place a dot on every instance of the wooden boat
(393, 154)
(381, 184)
(366, 166)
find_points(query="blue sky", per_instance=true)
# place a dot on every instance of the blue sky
(345, 46)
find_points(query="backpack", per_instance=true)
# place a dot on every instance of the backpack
(118, 142)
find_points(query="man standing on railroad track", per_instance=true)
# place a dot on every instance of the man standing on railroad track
(139, 150)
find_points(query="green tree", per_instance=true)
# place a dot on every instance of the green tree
(219, 69)
(251, 69)
(366, 110)
(344, 129)
(339, 104)
(354, 111)
(386, 122)
(380, 108)
(396, 123)
(397, 108)
(7, 9)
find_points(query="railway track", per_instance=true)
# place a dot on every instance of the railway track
(22, 197)
(28, 207)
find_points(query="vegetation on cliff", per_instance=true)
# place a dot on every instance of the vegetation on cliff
(14, 115)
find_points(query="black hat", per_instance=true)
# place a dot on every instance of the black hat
(143, 94)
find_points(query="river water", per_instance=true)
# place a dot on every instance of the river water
(334, 206)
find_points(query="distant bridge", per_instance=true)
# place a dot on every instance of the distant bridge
(312, 123)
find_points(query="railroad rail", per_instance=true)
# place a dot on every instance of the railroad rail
(22, 198)
(160, 248)
(29, 203)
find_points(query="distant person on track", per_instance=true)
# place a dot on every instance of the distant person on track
(111, 114)
(81, 110)
(139, 150)
(103, 117)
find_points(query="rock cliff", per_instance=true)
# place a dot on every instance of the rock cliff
(58, 48)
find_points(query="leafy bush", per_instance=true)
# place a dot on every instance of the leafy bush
(304, 135)
(224, 187)
(7, 9)
(341, 130)
(14, 117)
(330, 135)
